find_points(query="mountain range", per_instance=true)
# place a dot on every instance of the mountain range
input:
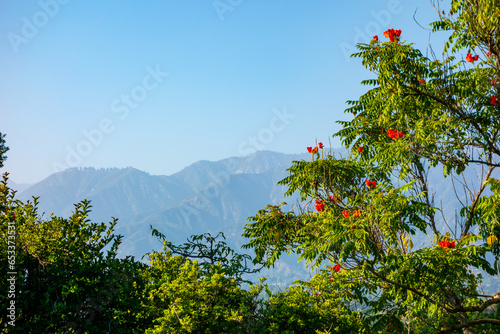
(207, 196)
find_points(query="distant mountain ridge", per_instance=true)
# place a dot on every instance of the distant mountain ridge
(203, 197)
(19, 187)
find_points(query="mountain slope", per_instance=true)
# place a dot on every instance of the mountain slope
(204, 197)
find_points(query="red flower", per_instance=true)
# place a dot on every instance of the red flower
(345, 213)
(332, 198)
(393, 134)
(392, 34)
(375, 38)
(320, 206)
(493, 101)
(356, 213)
(493, 82)
(371, 184)
(331, 279)
(320, 145)
(315, 150)
(360, 149)
(488, 54)
(470, 58)
(336, 268)
(309, 149)
(447, 244)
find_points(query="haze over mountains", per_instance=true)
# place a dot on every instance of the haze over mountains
(204, 197)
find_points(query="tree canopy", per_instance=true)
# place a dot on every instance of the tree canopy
(360, 213)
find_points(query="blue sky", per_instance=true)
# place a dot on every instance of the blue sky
(158, 85)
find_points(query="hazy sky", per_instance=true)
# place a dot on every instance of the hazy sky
(158, 85)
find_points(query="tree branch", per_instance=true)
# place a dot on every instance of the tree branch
(470, 324)
(480, 308)
(474, 203)
(402, 286)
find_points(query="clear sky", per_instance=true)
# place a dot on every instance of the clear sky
(160, 84)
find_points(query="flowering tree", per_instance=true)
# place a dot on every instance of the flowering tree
(419, 114)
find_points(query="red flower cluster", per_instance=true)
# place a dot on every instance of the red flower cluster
(345, 213)
(392, 34)
(493, 101)
(356, 213)
(447, 244)
(488, 54)
(470, 58)
(313, 150)
(336, 268)
(320, 206)
(393, 134)
(371, 184)
(360, 149)
(375, 38)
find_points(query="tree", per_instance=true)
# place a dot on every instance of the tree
(419, 115)
(63, 274)
(3, 150)
(212, 254)
(184, 295)
(200, 291)
(312, 307)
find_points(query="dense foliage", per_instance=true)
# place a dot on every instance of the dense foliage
(62, 276)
